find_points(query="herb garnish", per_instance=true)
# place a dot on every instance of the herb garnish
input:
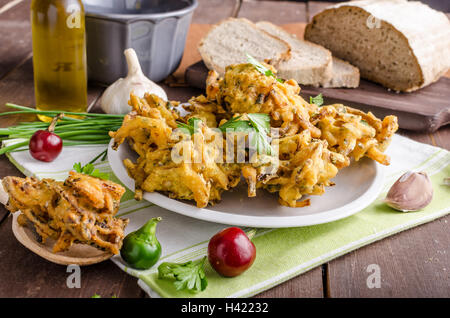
(188, 276)
(317, 100)
(261, 68)
(191, 126)
(90, 170)
(259, 124)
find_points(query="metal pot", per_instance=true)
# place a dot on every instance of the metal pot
(155, 29)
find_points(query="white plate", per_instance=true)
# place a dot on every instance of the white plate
(356, 187)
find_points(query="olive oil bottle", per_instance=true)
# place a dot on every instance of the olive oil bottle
(59, 55)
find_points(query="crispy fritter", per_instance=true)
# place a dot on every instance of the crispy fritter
(243, 89)
(313, 142)
(305, 167)
(354, 133)
(79, 210)
(196, 175)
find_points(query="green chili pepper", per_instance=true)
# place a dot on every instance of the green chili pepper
(141, 248)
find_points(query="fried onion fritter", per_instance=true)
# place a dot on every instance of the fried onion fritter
(195, 175)
(79, 210)
(354, 133)
(313, 142)
(305, 167)
(243, 89)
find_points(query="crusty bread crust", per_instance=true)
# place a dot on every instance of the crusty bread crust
(208, 59)
(428, 46)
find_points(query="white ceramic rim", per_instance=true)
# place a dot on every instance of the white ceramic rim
(206, 214)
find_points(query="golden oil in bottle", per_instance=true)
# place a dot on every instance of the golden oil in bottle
(59, 55)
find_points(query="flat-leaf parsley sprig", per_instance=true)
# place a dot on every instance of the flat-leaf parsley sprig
(258, 125)
(317, 100)
(261, 68)
(90, 170)
(188, 276)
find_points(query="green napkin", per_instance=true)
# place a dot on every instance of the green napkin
(281, 253)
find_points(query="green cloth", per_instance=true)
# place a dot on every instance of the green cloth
(281, 253)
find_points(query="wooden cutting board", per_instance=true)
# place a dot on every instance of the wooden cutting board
(424, 110)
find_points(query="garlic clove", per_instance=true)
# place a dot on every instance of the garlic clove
(411, 192)
(115, 98)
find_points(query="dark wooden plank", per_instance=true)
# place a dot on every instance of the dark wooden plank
(6, 5)
(442, 137)
(279, 12)
(15, 35)
(414, 263)
(24, 274)
(424, 110)
(303, 286)
(417, 136)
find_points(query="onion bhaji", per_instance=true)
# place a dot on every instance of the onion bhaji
(313, 143)
(79, 210)
(198, 175)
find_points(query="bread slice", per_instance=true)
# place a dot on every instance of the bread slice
(399, 44)
(310, 64)
(344, 75)
(228, 42)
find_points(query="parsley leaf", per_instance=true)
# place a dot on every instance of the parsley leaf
(90, 170)
(188, 276)
(261, 68)
(191, 126)
(261, 122)
(236, 125)
(318, 100)
(258, 124)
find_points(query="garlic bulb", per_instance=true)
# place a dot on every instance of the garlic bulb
(115, 98)
(411, 192)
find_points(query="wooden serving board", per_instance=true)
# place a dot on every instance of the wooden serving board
(424, 110)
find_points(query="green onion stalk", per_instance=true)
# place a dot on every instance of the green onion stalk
(88, 129)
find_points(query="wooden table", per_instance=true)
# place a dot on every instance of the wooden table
(414, 263)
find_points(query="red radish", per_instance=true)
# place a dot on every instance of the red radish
(230, 252)
(45, 145)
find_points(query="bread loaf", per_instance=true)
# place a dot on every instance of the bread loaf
(310, 64)
(402, 45)
(228, 42)
(344, 75)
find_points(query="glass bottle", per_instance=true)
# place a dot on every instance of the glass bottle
(59, 55)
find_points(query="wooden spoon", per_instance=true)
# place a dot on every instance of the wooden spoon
(77, 254)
